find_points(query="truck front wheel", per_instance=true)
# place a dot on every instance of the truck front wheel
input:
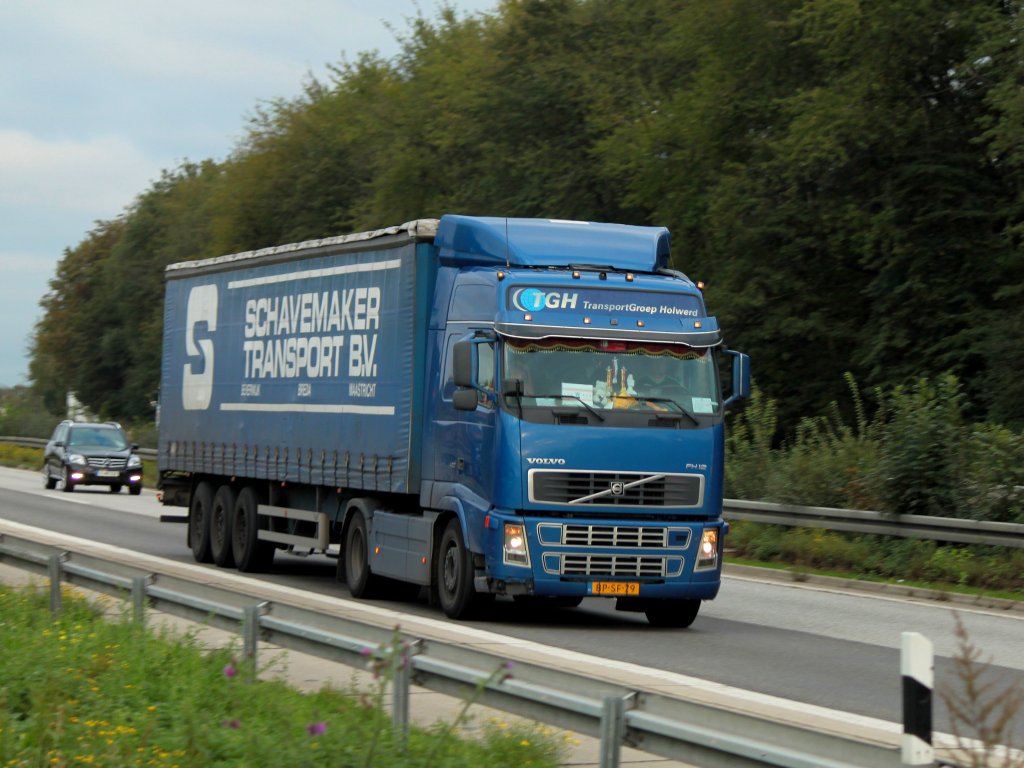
(675, 614)
(221, 513)
(251, 554)
(199, 522)
(455, 574)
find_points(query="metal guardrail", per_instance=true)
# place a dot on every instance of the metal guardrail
(40, 442)
(671, 727)
(947, 529)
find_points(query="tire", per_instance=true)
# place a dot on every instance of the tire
(356, 559)
(49, 483)
(135, 490)
(115, 488)
(674, 614)
(454, 575)
(221, 512)
(251, 555)
(199, 512)
(67, 486)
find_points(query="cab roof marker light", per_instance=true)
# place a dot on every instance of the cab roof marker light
(528, 317)
(586, 321)
(501, 276)
(639, 323)
(629, 277)
(615, 321)
(697, 324)
(575, 274)
(700, 285)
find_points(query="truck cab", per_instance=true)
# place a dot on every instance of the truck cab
(579, 431)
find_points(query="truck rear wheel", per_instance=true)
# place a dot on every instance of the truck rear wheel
(676, 614)
(251, 554)
(199, 522)
(455, 574)
(221, 513)
(356, 562)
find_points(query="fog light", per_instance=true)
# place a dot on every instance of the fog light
(77, 475)
(134, 478)
(515, 549)
(707, 555)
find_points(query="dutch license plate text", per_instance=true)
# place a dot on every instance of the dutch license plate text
(615, 588)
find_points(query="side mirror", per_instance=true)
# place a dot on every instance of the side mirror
(465, 399)
(462, 364)
(740, 378)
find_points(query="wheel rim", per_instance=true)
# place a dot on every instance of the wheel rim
(451, 569)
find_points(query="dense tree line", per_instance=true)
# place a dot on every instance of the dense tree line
(846, 175)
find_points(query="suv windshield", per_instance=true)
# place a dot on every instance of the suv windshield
(106, 438)
(609, 375)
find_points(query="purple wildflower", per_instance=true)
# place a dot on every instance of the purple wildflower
(316, 729)
(230, 670)
(232, 724)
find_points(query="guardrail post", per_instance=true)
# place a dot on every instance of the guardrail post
(401, 681)
(139, 599)
(251, 633)
(613, 727)
(56, 570)
(918, 670)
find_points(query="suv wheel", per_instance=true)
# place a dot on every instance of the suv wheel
(66, 485)
(49, 483)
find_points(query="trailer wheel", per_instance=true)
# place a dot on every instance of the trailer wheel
(356, 562)
(455, 574)
(199, 522)
(220, 526)
(251, 554)
(675, 614)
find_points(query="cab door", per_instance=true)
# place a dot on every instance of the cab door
(464, 453)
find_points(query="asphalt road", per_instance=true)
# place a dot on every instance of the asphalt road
(828, 647)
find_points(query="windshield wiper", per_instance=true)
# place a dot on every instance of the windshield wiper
(682, 410)
(577, 398)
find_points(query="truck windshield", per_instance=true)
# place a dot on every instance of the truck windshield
(610, 375)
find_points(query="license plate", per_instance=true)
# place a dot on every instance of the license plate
(107, 473)
(614, 588)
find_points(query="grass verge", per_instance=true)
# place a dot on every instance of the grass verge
(79, 689)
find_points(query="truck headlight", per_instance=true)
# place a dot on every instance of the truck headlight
(515, 550)
(707, 555)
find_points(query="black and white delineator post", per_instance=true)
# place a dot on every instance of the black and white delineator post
(918, 669)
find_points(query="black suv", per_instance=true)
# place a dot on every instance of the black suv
(80, 453)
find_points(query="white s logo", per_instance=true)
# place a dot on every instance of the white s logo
(197, 388)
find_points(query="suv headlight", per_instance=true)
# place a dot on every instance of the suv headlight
(76, 458)
(134, 462)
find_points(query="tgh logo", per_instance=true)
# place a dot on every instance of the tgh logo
(534, 300)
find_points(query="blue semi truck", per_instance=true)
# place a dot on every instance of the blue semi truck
(480, 406)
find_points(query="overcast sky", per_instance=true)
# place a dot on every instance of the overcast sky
(97, 97)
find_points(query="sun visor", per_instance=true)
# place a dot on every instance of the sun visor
(492, 241)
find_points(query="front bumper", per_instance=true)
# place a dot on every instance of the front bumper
(86, 475)
(648, 559)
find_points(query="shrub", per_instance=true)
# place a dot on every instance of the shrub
(919, 467)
